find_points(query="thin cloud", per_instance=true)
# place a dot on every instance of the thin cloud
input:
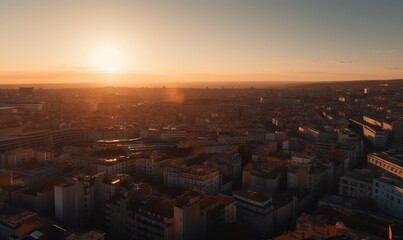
(343, 61)
(394, 68)
(389, 51)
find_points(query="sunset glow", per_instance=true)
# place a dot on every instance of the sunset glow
(222, 40)
(108, 59)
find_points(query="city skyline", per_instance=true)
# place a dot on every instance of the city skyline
(158, 41)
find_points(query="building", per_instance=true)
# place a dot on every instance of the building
(53, 139)
(137, 214)
(155, 220)
(388, 193)
(113, 166)
(19, 225)
(187, 216)
(151, 166)
(392, 165)
(314, 176)
(216, 211)
(77, 199)
(172, 134)
(255, 211)
(229, 165)
(273, 101)
(353, 152)
(20, 156)
(112, 186)
(120, 211)
(40, 174)
(357, 183)
(40, 198)
(377, 137)
(196, 177)
(262, 177)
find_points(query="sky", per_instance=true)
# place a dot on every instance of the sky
(206, 40)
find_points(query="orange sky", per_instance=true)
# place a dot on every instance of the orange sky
(46, 41)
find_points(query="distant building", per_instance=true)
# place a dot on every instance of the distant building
(171, 134)
(53, 139)
(377, 137)
(279, 101)
(113, 166)
(20, 156)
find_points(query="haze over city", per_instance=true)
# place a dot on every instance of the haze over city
(132, 42)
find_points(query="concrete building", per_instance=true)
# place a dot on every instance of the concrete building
(198, 216)
(229, 165)
(388, 193)
(357, 183)
(353, 152)
(17, 157)
(77, 199)
(137, 214)
(120, 211)
(393, 126)
(396, 129)
(255, 211)
(262, 177)
(155, 220)
(313, 175)
(39, 199)
(41, 174)
(112, 186)
(172, 134)
(198, 177)
(389, 164)
(113, 166)
(151, 166)
(216, 211)
(53, 139)
(19, 225)
(377, 137)
(187, 216)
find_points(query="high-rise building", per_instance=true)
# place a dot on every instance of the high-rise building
(187, 216)
(77, 199)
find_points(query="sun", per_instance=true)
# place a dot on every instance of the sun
(108, 59)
